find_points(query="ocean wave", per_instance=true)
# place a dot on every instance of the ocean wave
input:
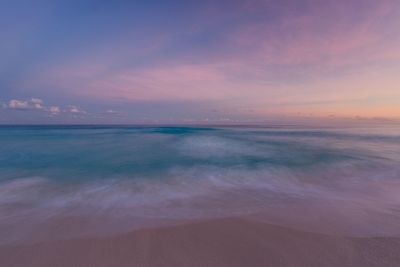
(201, 193)
(138, 179)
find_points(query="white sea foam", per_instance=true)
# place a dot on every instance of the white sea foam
(318, 181)
(360, 199)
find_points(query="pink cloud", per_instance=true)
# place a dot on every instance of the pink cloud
(32, 104)
(257, 62)
(54, 110)
(74, 110)
(328, 36)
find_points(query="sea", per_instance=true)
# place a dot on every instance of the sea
(60, 182)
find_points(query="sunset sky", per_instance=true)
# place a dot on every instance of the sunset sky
(186, 61)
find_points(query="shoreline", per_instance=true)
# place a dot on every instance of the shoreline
(218, 242)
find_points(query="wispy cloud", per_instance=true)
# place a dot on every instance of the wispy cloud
(54, 110)
(32, 104)
(74, 110)
(38, 105)
(333, 56)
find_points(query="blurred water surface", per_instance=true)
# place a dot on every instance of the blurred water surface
(344, 178)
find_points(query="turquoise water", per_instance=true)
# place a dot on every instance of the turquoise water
(346, 177)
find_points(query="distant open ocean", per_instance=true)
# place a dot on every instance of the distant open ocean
(121, 178)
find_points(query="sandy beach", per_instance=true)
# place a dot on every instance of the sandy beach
(223, 242)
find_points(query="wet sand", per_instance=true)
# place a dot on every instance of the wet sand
(224, 242)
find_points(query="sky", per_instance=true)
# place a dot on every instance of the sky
(209, 61)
